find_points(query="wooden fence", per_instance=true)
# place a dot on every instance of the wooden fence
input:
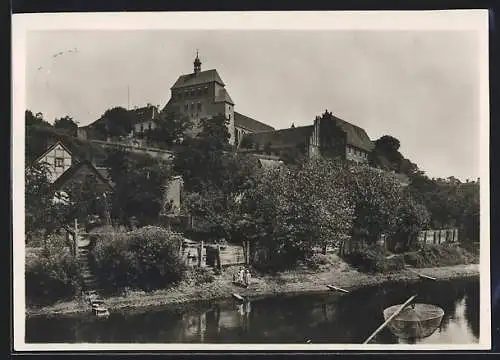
(438, 236)
(200, 254)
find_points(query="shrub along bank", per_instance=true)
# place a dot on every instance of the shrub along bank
(147, 259)
(440, 255)
(144, 259)
(51, 274)
(374, 259)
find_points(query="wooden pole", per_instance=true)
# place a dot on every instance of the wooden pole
(396, 313)
(200, 258)
(75, 238)
(219, 262)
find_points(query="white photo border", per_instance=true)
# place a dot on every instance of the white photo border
(476, 20)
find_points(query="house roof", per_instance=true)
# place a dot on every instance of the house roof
(51, 148)
(267, 161)
(145, 113)
(68, 174)
(356, 136)
(223, 96)
(248, 123)
(281, 138)
(203, 77)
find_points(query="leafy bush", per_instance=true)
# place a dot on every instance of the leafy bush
(145, 259)
(432, 255)
(374, 259)
(202, 275)
(316, 261)
(51, 273)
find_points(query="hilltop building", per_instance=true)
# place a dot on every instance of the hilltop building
(200, 94)
(329, 136)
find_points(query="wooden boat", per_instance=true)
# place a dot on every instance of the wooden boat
(97, 303)
(100, 312)
(415, 321)
(334, 288)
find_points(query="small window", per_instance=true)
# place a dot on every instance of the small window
(142, 127)
(149, 126)
(199, 106)
(186, 107)
(59, 162)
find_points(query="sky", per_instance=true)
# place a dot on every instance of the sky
(420, 86)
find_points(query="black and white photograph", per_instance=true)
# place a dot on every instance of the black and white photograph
(226, 181)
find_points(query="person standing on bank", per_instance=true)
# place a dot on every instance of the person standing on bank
(246, 277)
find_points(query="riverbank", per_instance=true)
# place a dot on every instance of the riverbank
(282, 283)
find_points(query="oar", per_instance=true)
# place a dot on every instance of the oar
(396, 313)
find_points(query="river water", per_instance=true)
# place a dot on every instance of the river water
(319, 318)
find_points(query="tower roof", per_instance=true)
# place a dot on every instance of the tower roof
(203, 77)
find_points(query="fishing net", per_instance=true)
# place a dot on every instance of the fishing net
(415, 321)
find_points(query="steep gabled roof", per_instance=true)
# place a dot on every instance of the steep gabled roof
(52, 147)
(68, 174)
(202, 77)
(250, 124)
(356, 136)
(284, 138)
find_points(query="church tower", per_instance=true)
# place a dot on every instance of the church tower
(202, 95)
(197, 64)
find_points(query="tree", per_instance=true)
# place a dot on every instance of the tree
(387, 147)
(48, 209)
(293, 210)
(170, 128)
(140, 185)
(33, 120)
(376, 197)
(35, 144)
(387, 144)
(411, 218)
(68, 124)
(214, 207)
(38, 199)
(200, 160)
(85, 201)
(116, 122)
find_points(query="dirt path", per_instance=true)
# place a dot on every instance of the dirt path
(289, 282)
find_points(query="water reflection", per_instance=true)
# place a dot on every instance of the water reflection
(321, 318)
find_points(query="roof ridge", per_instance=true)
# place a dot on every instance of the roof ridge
(348, 122)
